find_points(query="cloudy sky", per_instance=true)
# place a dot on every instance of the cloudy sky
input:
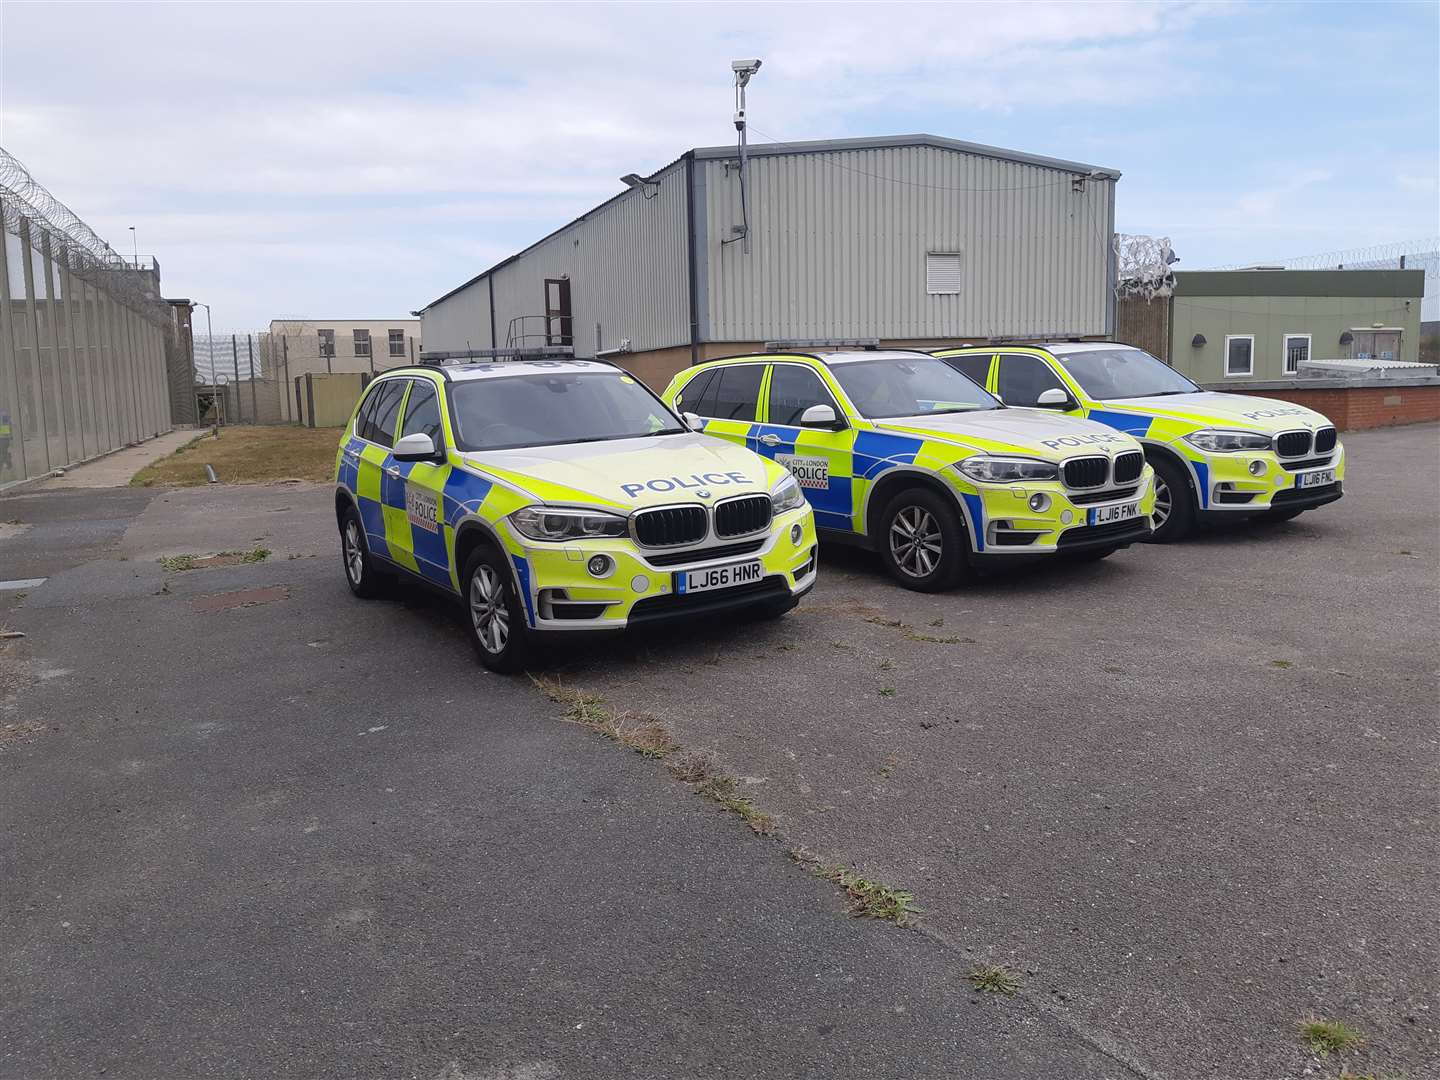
(361, 159)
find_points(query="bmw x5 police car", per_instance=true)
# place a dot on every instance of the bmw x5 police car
(899, 452)
(560, 496)
(1215, 455)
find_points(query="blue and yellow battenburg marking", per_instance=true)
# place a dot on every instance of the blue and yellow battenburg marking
(413, 512)
(837, 470)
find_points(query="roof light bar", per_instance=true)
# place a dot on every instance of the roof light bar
(528, 352)
(823, 343)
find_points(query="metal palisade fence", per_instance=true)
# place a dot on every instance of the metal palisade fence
(83, 337)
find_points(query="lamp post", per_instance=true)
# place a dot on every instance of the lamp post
(210, 356)
(135, 246)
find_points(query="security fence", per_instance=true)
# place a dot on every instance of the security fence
(82, 337)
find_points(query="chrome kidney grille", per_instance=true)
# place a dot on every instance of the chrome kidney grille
(671, 526)
(1325, 440)
(1293, 443)
(747, 514)
(1086, 472)
(1129, 466)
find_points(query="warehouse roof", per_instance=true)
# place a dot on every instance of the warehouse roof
(815, 146)
(1405, 283)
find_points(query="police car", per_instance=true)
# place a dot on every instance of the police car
(900, 453)
(560, 496)
(1215, 455)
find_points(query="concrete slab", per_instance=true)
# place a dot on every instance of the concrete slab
(115, 470)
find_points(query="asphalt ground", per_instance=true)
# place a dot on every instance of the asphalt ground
(1188, 794)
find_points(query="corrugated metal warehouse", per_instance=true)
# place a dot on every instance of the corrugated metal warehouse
(913, 239)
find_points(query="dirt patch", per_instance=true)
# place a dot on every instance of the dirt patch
(248, 455)
(204, 605)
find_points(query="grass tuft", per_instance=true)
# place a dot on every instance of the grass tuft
(724, 790)
(911, 634)
(175, 564)
(866, 899)
(693, 767)
(643, 734)
(1326, 1037)
(994, 979)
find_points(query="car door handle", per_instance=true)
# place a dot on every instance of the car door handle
(770, 440)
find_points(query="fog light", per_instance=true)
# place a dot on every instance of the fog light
(1066, 517)
(1039, 502)
(1257, 468)
(600, 565)
(640, 583)
(796, 532)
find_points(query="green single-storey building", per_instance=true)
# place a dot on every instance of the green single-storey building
(1221, 326)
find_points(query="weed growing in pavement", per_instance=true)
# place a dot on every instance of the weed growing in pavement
(937, 622)
(886, 664)
(693, 767)
(723, 790)
(994, 979)
(643, 734)
(175, 564)
(1281, 663)
(1326, 1037)
(887, 691)
(865, 899)
(911, 634)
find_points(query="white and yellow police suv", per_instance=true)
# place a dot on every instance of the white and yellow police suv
(900, 453)
(1215, 455)
(560, 495)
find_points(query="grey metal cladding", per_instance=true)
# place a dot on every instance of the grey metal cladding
(839, 240)
(626, 262)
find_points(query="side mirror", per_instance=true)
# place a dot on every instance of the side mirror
(819, 416)
(1054, 398)
(417, 447)
(694, 421)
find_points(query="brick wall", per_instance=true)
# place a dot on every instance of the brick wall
(1357, 408)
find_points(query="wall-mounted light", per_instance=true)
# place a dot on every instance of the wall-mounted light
(1198, 340)
(1347, 338)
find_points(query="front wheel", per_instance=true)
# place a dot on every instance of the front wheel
(922, 541)
(1174, 514)
(493, 614)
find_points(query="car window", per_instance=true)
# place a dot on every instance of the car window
(380, 423)
(733, 394)
(915, 386)
(552, 409)
(974, 366)
(1123, 372)
(366, 412)
(1023, 378)
(422, 411)
(793, 389)
(694, 391)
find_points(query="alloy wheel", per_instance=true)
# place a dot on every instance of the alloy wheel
(488, 611)
(1162, 503)
(915, 542)
(354, 553)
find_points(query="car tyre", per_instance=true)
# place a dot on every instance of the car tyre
(1174, 514)
(494, 616)
(365, 579)
(922, 541)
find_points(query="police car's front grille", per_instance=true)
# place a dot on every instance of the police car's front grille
(1086, 472)
(1099, 534)
(724, 551)
(1306, 463)
(670, 526)
(1129, 466)
(737, 517)
(1325, 440)
(1292, 443)
(1085, 498)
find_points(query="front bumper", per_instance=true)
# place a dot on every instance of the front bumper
(1002, 523)
(561, 594)
(1226, 486)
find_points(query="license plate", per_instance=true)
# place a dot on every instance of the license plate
(719, 577)
(1106, 515)
(1319, 478)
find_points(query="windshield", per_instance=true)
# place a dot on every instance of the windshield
(1123, 372)
(545, 410)
(922, 386)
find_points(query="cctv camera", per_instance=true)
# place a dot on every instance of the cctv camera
(745, 67)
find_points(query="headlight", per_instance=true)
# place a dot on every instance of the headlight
(552, 523)
(1219, 441)
(787, 496)
(1008, 470)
